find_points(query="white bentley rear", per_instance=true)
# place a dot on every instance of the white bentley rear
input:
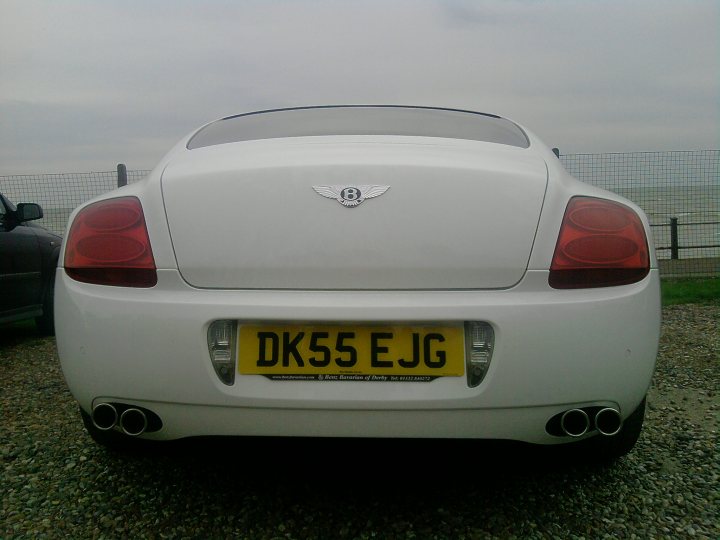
(360, 271)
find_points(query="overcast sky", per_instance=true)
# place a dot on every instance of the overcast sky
(85, 85)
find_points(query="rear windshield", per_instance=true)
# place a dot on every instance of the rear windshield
(361, 120)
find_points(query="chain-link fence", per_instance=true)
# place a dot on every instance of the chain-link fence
(60, 194)
(679, 192)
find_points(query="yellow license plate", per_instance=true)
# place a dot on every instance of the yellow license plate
(357, 353)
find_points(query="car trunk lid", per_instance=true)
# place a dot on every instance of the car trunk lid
(458, 215)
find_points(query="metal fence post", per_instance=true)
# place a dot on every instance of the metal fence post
(674, 248)
(121, 175)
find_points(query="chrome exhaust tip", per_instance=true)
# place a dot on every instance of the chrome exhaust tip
(104, 416)
(575, 422)
(608, 421)
(133, 422)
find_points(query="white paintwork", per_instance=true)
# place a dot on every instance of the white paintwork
(554, 349)
(458, 214)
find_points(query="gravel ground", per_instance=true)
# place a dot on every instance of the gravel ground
(57, 482)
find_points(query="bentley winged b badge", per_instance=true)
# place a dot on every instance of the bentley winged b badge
(350, 196)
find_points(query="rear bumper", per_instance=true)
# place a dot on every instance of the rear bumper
(523, 423)
(554, 350)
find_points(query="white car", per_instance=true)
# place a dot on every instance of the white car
(360, 271)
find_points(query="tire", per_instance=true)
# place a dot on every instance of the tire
(45, 323)
(601, 449)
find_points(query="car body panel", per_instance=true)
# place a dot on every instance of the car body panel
(554, 349)
(544, 355)
(20, 269)
(243, 218)
(29, 257)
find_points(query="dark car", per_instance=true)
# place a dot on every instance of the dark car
(28, 258)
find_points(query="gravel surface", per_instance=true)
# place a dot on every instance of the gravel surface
(57, 483)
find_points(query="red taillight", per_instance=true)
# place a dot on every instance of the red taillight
(601, 243)
(108, 244)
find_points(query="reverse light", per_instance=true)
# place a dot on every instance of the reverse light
(108, 244)
(221, 345)
(479, 342)
(601, 243)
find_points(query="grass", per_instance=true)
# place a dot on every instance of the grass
(690, 291)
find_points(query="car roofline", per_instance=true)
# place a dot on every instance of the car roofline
(362, 106)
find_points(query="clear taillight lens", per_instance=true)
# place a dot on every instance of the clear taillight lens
(601, 243)
(221, 345)
(479, 343)
(108, 244)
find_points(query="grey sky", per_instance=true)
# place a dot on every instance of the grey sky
(85, 85)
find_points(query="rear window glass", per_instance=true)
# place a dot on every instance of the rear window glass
(361, 120)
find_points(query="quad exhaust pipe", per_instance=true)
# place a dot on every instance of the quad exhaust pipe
(575, 422)
(132, 421)
(608, 421)
(104, 416)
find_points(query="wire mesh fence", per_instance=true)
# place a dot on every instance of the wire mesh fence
(59, 194)
(679, 191)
